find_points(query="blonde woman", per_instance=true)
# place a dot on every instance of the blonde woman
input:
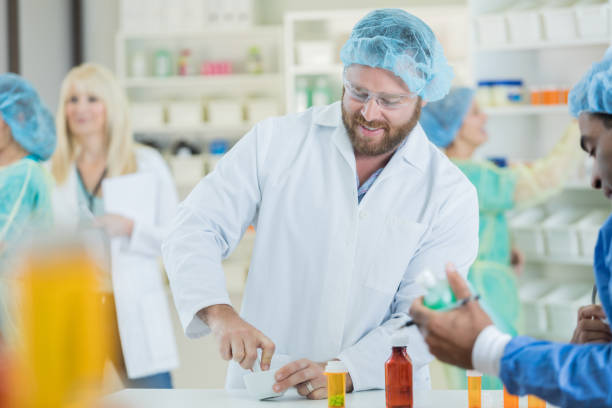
(95, 148)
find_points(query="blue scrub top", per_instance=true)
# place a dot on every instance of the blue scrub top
(567, 375)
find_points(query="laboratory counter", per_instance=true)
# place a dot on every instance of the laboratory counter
(218, 398)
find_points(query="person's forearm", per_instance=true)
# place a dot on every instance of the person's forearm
(568, 375)
(212, 313)
(489, 350)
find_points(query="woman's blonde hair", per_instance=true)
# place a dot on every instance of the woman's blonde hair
(100, 82)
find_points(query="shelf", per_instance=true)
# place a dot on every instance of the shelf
(236, 80)
(335, 69)
(569, 260)
(545, 45)
(203, 128)
(527, 110)
(273, 31)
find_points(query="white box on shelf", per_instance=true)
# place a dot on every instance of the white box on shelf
(533, 310)
(187, 170)
(592, 17)
(185, 113)
(225, 112)
(560, 234)
(562, 306)
(147, 114)
(315, 53)
(559, 21)
(492, 29)
(261, 108)
(588, 230)
(526, 232)
(525, 26)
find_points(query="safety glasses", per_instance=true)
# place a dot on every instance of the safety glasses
(384, 100)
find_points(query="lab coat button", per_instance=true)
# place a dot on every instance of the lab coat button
(363, 214)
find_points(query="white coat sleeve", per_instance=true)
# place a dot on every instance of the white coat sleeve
(453, 238)
(207, 227)
(147, 238)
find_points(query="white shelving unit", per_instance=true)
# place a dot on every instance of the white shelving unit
(526, 110)
(528, 132)
(450, 23)
(216, 44)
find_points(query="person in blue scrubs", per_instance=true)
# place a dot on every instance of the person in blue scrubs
(567, 375)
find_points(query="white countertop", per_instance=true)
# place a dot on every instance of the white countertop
(204, 398)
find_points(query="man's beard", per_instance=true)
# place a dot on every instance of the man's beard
(391, 139)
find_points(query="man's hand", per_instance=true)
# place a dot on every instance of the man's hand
(308, 377)
(237, 339)
(590, 327)
(451, 335)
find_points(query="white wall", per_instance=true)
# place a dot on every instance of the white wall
(4, 65)
(100, 24)
(45, 45)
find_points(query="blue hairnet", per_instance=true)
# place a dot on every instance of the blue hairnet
(442, 119)
(30, 121)
(594, 91)
(397, 41)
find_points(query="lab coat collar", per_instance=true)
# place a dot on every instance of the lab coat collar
(415, 151)
(330, 115)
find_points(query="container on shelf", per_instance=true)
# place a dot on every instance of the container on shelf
(225, 112)
(592, 17)
(139, 64)
(560, 234)
(526, 232)
(216, 149)
(535, 95)
(500, 92)
(147, 114)
(315, 53)
(254, 60)
(525, 23)
(184, 62)
(492, 29)
(217, 68)
(533, 311)
(185, 113)
(562, 306)
(162, 63)
(483, 93)
(588, 231)
(559, 20)
(550, 95)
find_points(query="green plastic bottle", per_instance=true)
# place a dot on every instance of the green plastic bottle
(439, 295)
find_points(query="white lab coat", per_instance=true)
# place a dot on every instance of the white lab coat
(329, 278)
(143, 313)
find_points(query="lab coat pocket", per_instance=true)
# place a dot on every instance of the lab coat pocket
(158, 326)
(396, 245)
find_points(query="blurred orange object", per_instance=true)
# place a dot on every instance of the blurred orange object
(535, 402)
(550, 96)
(565, 96)
(536, 96)
(63, 329)
(510, 401)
